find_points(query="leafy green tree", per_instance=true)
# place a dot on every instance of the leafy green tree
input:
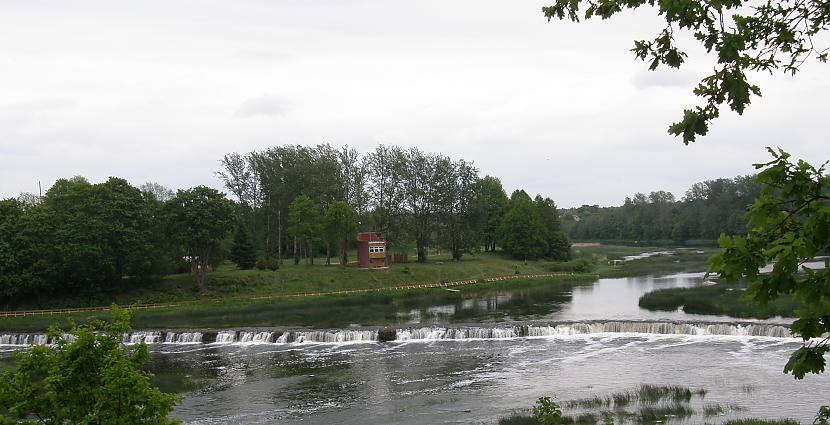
(243, 252)
(19, 249)
(789, 226)
(99, 234)
(491, 201)
(522, 233)
(340, 227)
(744, 35)
(558, 243)
(90, 379)
(458, 208)
(199, 219)
(304, 226)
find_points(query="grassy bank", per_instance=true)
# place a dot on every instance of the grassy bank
(257, 298)
(228, 281)
(681, 260)
(330, 311)
(720, 299)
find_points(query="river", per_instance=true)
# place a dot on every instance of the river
(475, 357)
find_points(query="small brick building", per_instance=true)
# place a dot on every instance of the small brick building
(371, 250)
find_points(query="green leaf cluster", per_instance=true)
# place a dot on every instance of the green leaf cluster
(531, 229)
(744, 35)
(88, 378)
(789, 225)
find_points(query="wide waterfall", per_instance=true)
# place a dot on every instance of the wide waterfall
(432, 333)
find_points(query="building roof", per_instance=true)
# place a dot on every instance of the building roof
(370, 237)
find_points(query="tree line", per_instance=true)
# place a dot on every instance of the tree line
(291, 202)
(91, 239)
(708, 209)
(286, 194)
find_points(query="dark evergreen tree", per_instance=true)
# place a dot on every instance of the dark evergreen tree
(243, 252)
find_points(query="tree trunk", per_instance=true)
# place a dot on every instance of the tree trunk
(456, 250)
(310, 254)
(328, 253)
(421, 248)
(296, 252)
(201, 271)
(268, 227)
(344, 259)
(279, 237)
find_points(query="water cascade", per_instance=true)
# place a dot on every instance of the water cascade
(434, 333)
(182, 338)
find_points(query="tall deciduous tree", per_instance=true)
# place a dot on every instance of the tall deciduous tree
(340, 226)
(304, 227)
(458, 209)
(200, 218)
(491, 202)
(157, 191)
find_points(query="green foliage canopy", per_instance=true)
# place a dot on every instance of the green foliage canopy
(745, 35)
(789, 226)
(89, 379)
(305, 224)
(199, 218)
(340, 226)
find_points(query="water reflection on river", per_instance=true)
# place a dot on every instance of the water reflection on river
(479, 381)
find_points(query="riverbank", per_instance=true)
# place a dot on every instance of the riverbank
(250, 297)
(375, 308)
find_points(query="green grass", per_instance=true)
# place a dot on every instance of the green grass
(228, 281)
(257, 297)
(331, 311)
(720, 299)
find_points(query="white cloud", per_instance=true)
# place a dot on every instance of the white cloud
(159, 91)
(265, 105)
(665, 77)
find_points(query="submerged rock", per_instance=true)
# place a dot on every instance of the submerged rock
(387, 334)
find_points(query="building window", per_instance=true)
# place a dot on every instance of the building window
(377, 248)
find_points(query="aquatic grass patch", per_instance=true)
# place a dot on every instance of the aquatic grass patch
(588, 403)
(647, 404)
(658, 414)
(719, 299)
(622, 399)
(644, 395)
(518, 419)
(655, 393)
(583, 419)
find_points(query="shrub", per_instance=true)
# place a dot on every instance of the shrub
(261, 264)
(267, 264)
(579, 265)
(547, 411)
(91, 379)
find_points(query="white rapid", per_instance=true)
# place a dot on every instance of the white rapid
(428, 333)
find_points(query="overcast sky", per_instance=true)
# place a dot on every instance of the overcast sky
(161, 90)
